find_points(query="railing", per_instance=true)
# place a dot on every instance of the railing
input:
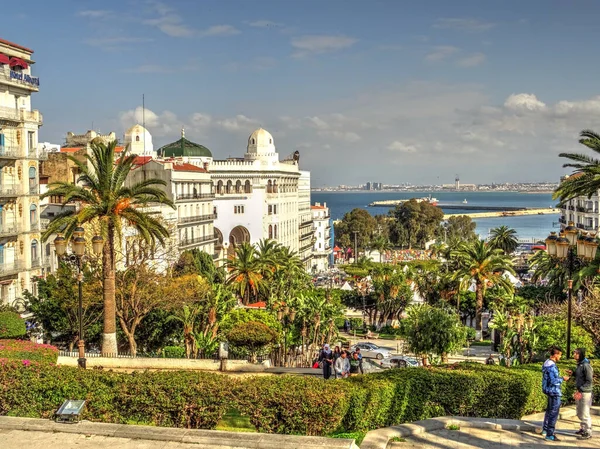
(7, 269)
(306, 223)
(195, 219)
(8, 230)
(232, 355)
(196, 241)
(562, 220)
(10, 190)
(194, 196)
(33, 190)
(9, 151)
(36, 263)
(34, 227)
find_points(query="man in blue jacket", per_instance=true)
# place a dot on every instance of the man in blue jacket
(551, 386)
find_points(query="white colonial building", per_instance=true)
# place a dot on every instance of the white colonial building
(321, 228)
(21, 255)
(582, 211)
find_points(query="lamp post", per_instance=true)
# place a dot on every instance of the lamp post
(77, 256)
(571, 247)
(286, 316)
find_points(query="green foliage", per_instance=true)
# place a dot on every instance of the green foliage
(415, 223)
(198, 262)
(551, 330)
(505, 239)
(27, 351)
(433, 330)
(12, 325)
(359, 221)
(174, 352)
(251, 335)
(238, 316)
(460, 227)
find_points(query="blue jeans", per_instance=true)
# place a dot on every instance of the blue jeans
(551, 415)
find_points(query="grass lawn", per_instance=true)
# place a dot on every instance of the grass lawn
(233, 421)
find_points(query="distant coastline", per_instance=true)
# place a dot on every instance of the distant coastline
(546, 192)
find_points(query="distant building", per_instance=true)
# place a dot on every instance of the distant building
(322, 237)
(582, 211)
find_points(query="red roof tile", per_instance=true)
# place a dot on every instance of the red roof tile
(317, 207)
(142, 160)
(187, 167)
(70, 149)
(3, 41)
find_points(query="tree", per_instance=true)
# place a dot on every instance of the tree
(393, 293)
(251, 335)
(198, 262)
(484, 265)
(359, 221)
(433, 330)
(505, 239)
(245, 272)
(459, 227)
(415, 223)
(381, 244)
(55, 307)
(585, 180)
(105, 199)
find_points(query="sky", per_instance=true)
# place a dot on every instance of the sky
(377, 90)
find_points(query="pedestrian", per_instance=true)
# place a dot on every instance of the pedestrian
(360, 358)
(336, 355)
(354, 365)
(326, 358)
(342, 366)
(584, 378)
(551, 387)
(346, 325)
(490, 360)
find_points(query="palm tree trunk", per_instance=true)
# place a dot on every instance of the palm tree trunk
(109, 337)
(479, 310)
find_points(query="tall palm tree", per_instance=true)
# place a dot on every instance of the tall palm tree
(381, 244)
(104, 198)
(504, 238)
(245, 272)
(484, 265)
(587, 169)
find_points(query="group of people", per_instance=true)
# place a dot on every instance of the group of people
(551, 386)
(340, 363)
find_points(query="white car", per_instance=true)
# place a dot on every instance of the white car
(371, 350)
(400, 361)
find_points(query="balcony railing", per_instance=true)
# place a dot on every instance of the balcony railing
(194, 196)
(195, 219)
(10, 190)
(196, 241)
(34, 189)
(306, 223)
(36, 263)
(8, 229)
(7, 269)
(9, 152)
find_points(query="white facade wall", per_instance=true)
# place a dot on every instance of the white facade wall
(322, 237)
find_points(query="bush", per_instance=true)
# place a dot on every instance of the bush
(28, 351)
(176, 398)
(252, 336)
(551, 330)
(12, 325)
(174, 352)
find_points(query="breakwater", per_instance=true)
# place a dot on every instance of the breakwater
(505, 213)
(392, 203)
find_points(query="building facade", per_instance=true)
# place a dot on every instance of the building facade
(321, 247)
(582, 211)
(21, 255)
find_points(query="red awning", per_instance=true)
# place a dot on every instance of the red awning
(4, 59)
(18, 62)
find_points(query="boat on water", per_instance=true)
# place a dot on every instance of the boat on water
(465, 201)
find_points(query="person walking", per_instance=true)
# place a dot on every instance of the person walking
(354, 365)
(326, 358)
(584, 380)
(342, 366)
(360, 358)
(336, 355)
(551, 387)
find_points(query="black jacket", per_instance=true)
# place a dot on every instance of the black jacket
(584, 376)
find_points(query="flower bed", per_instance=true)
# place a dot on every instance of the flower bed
(27, 351)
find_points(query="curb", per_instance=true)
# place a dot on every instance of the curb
(379, 439)
(201, 439)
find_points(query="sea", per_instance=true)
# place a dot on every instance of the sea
(528, 227)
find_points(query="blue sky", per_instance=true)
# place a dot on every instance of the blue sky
(378, 90)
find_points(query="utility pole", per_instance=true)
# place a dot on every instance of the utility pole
(355, 246)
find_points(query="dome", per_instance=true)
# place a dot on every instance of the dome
(136, 129)
(261, 142)
(184, 148)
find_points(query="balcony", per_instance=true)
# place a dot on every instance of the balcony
(10, 269)
(194, 196)
(9, 152)
(7, 230)
(9, 191)
(36, 263)
(23, 80)
(571, 207)
(306, 223)
(562, 220)
(196, 241)
(195, 219)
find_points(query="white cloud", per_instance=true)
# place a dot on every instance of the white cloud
(116, 42)
(472, 60)
(441, 52)
(319, 44)
(464, 24)
(396, 145)
(524, 102)
(220, 30)
(168, 21)
(238, 123)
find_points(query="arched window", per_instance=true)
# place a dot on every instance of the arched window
(34, 251)
(137, 138)
(252, 141)
(195, 192)
(32, 180)
(275, 231)
(274, 186)
(220, 187)
(247, 187)
(229, 186)
(238, 186)
(33, 215)
(269, 187)
(270, 140)
(270, 231)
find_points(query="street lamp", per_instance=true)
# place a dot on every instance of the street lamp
(571, 247)
(78, 254)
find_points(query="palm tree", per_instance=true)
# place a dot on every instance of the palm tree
(587, 170)
(105, 199)
(245, 272)
(381, 244)
(485, 265)
(504, 238)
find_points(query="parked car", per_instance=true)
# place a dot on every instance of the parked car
(400, 361)
(371, 350)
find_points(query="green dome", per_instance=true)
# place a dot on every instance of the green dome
(182, 148)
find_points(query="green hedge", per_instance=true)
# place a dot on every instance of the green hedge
(275, 404)
(12, 325)
(27, 351)
(173, 352)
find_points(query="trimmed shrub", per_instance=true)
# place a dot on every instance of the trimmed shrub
(293, 405)
(174, 352)
(12, 325)
(28, 351)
